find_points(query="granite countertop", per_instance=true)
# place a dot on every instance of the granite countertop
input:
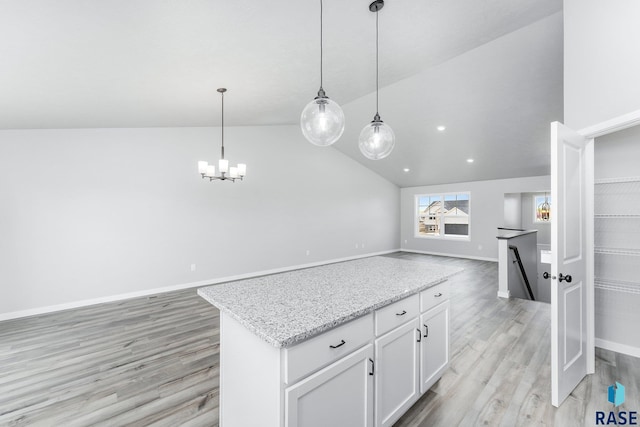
(284, 309)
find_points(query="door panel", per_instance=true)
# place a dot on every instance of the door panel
(571, 154)
(573, 340)
(572, 218)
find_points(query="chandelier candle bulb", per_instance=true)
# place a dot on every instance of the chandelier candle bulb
(210, 171)
(202, 167)
(233, 172)
(242, 169)
(223, 165)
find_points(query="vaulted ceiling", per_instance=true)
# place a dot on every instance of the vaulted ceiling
(489, 70)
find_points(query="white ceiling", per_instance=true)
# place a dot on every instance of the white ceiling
(149, 63)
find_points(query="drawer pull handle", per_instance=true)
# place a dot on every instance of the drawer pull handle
(342, 342)
(438, 295)
(373, 367)
(419, 335)
(402, 314)
(426, 331)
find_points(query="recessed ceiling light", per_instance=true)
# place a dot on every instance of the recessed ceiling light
(469, 160)
(441, 128)
(406, 169)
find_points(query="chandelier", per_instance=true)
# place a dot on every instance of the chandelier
(226, 173)
(545, 209)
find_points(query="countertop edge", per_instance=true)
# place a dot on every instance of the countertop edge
(515, 234)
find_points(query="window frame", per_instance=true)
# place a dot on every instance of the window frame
(441, 235)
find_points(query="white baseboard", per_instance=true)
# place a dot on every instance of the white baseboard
(479, 258)
(146, 292)
(617, 347)
(506, 294)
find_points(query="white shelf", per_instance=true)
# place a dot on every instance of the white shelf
(618, 286)
(617, 215)
(617, 251)
(621, 180)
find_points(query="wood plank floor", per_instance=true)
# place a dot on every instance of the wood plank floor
(153, 361)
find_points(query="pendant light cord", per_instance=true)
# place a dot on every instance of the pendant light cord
(321, 46)
(377, 112)
(222, 127)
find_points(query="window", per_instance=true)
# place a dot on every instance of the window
(442, 215)
(542, 213)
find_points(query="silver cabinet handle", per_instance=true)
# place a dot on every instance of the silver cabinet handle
(419, 335)
(373, 366)
(426, 331)
(402, 314)
(438, 295)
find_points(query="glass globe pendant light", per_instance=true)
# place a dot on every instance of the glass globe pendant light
(322, 120)
(376, 139)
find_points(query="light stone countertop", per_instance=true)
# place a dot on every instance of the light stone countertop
(286, 308)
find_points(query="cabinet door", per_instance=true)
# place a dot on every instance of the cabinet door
(434, 348)
(339, 395)
(396, 373)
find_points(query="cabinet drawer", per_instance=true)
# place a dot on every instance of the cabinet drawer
(434, 296)
(396, 314)
(317, 352)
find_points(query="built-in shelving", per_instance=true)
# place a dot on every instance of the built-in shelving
(617, 234)
(617, 216)
(618, 285)
(621, 180)
(617, 251)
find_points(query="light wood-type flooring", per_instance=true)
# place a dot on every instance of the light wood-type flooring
(153, 361)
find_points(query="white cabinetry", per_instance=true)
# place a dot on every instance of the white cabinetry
(434, 354)
(338, 395)
(396, 372)
(413, 356)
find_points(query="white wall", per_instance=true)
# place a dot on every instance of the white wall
(487, 214)
(601, 61)
(512, 210)
(94, 213)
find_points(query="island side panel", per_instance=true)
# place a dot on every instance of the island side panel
(250, 378)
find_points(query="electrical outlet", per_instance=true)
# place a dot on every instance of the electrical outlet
(308, 252)
(193, 267)
(356, 246)
(405, 241)
(362, 245)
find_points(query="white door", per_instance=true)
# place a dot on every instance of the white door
(340, 395)
(434, 349)
(571, 285)
(396, 374)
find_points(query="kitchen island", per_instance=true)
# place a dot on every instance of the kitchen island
(309, 347)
